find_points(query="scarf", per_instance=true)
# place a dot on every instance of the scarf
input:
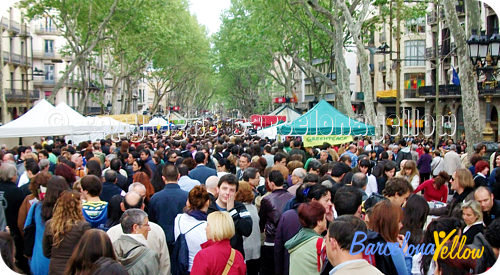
(198, 214)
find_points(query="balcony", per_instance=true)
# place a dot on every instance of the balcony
(48, 30)
(430, 53)
(42, 82)
(431, 18)
(445, 91)
(21, 95)
(45, 55)
(409, 94)
(4, 23)
(386, 96)
(25, 61)
(16, 59)
(25, 31)
(14, 26)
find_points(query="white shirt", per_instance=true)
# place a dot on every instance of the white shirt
(371, 187)
(23, 179)
(195, 237)
(156, 241)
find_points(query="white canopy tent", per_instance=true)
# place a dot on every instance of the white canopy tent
(269, 132)
(42, 120)
(285, 110)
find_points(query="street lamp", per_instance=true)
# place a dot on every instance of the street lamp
(478, 47)
(484, 54)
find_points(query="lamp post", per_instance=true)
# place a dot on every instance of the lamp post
(108, 107)
(484, 54)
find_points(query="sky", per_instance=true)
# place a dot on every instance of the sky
(208, 12)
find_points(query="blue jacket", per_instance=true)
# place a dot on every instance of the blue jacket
(164, 207)
(39, 264)
(151, 165)
(109, 190)
(95, 213)
(201, 173)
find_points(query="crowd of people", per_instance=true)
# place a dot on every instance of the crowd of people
(245, 205)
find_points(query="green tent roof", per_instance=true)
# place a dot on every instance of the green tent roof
(324, 119)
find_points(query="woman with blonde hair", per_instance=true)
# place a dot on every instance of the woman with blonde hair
(463, 184)
(410, 172)
(217, 256)
(63, 231)
(473, 218)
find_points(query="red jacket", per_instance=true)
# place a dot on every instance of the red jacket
(213, 257)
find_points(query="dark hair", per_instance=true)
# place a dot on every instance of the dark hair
(198, 197)
(32, 166)
(492, 233)
(446, 224)
(183, 170)
(384, 155)
(170, 172)
(93, 245)
(250, 173)
(7, 250)
(145, 151)
(343, 229)
(229, 179)
(277, 178)
(94, 168)
(414, 217)
(366, 163)
(157, 180)
(316, 192)
(107, 266)
(114, 211)
(199, 157)
(143, 167)
(310, 213)
(66, 172)
(115, 164)
(279, 157)
(314, 164)
(311, 178)
(92, 184)
(347, 200)
(398, 186)
(55, 186)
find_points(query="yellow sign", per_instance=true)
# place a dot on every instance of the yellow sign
(311, 141)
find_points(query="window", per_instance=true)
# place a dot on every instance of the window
(412, 83)
(49, 72)
(415, 53)
(49, 46)
(415, 25)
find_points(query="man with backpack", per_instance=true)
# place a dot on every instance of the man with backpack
(403, 153)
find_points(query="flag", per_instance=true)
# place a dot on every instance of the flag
(413, 84)
(455, 80)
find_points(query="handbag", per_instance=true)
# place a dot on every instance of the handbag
(29, 235)
(229, 263)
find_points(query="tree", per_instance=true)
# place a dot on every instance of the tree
(468, 78)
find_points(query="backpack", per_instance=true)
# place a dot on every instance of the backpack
(180, 252)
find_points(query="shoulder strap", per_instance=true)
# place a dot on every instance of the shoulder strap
(193, 227)
(319, 246)
(230, 262)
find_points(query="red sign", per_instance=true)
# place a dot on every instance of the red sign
(283, 99)
(264, 121)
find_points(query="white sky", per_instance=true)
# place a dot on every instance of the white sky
(208, 12)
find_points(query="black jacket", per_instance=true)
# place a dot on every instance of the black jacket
(242, 223)
(494, 213)
(271, 208)
(11, 197)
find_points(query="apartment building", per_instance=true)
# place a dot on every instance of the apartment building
(16, 46)
(418, 74)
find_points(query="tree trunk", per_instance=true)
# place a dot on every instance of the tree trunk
(468, 79)
(355, 29)
(473, 15)
(343, 81)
